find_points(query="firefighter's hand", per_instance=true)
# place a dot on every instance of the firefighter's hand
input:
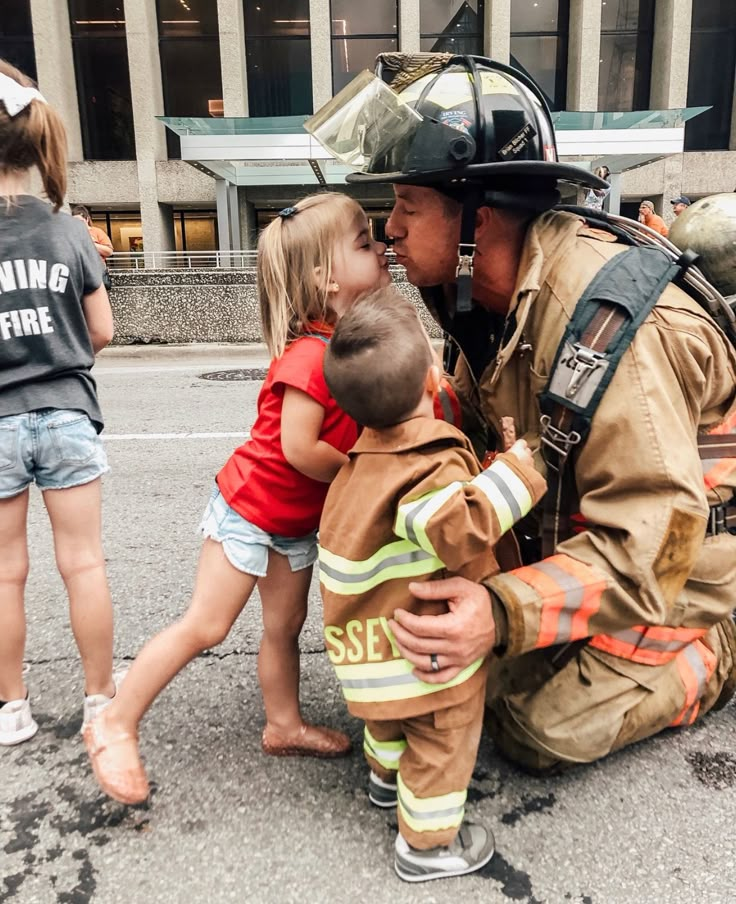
(454, 639)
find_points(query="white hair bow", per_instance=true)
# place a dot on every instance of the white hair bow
(16, 97)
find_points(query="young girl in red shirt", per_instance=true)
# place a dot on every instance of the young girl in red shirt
(260, 525)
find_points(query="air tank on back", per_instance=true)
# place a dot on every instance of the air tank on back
(708, 227)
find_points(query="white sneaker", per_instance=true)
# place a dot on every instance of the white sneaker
(95, 703)
(472, 848)
(16, 722)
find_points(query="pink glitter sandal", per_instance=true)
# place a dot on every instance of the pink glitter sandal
(107, 751)
(312, 740)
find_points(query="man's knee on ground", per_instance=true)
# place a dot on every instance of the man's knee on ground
(509, 743)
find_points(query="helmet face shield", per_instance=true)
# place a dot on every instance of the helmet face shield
(372, 129)
(445, 120)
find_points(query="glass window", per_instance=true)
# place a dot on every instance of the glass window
(123, 227)
(711, 75)
(16, 35)
(359, 33)
(451, 26)
(177, 19)
(189, 47)
(278, 57)
(103, 79)
(195, 230)
(539, 44)
(375, 18)
(625, 67)
(276, 18)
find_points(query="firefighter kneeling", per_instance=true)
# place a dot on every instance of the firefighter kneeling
(622, 626)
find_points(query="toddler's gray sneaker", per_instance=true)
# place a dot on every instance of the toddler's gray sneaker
(472, 848)
(381, 793)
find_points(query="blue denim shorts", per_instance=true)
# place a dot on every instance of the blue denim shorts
(246, 546)
(54, 447)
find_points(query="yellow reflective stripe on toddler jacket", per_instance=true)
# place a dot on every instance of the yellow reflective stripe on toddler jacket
(401, 559)
(423, 474)
(509, 497)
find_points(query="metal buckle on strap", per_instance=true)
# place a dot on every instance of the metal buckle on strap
(558, 442)
(465, 260)
(585, 362)
(717, 521)
(572, 375)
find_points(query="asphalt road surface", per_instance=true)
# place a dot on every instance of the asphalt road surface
(653, 824)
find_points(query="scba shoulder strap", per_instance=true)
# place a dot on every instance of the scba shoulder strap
(604, 323)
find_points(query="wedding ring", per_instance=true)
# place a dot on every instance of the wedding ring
(435, 663)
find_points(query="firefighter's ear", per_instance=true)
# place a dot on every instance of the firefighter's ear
(432, 382)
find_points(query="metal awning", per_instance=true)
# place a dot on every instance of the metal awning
(277, 151)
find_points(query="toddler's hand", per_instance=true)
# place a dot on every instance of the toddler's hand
(522, 451)
(508, 433)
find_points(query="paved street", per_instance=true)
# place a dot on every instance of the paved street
(225, 823)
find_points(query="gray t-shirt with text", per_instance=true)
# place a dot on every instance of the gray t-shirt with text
(48, 263)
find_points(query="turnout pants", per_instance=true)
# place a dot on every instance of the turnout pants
(545, 718)
(431, 758)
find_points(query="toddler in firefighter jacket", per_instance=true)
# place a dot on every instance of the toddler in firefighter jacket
(411, 503)
(260, 525)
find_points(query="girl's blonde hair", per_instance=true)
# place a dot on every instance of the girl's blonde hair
(34, 137)
(290, 249)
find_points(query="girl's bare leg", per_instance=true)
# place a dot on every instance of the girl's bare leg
(284, 594)
(220, 593)
(13, 575)
(76, 522)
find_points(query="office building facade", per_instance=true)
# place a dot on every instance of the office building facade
(112, 67)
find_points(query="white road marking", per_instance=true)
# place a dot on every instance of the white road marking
(108, 437)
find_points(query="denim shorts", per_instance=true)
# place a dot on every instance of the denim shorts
(55, 447)
(246, 546)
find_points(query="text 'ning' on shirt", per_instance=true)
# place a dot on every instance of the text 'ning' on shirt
(27, 275)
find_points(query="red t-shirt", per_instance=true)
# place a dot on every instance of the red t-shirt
(257, 481)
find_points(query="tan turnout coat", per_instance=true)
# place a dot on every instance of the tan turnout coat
(641, 572)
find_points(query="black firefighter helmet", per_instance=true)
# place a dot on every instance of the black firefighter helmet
(472, 128)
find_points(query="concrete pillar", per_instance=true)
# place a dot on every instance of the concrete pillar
(234, 211)
(584, 55)
(248, 221)
(409, 26)
(497, 30)
(320, 26)
(231, 26)
(612, 202)
(223, 215)
(670, 54)
(55, 67)
(732, 142)
(150, 135)
(672, 185)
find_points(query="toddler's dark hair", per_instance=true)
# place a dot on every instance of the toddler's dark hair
(377, 361)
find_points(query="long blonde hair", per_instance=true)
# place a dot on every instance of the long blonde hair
(290, 250)
(34, 137)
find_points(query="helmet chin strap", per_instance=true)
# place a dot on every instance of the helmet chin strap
(474, 199)
(466, 250)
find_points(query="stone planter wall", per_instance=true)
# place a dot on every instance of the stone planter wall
(182, 306)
